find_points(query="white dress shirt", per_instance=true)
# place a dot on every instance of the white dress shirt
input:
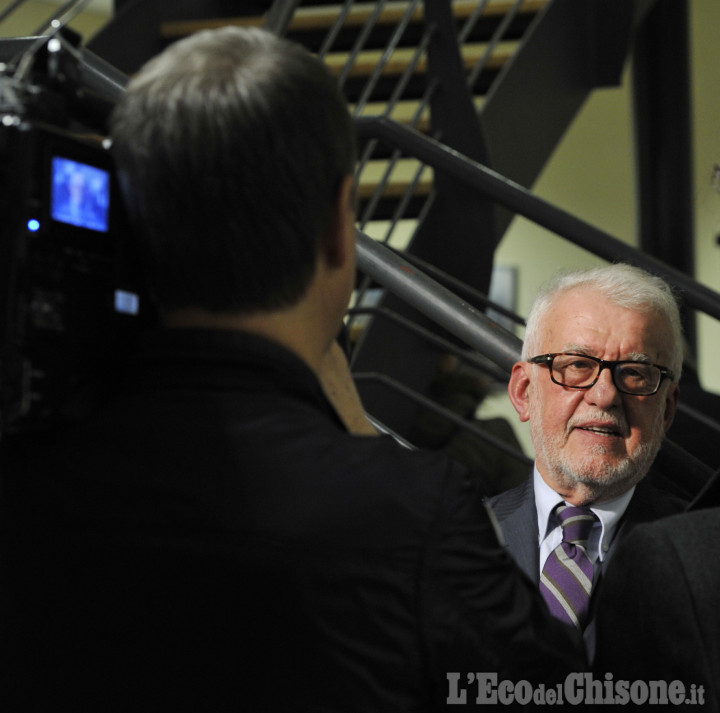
(608, 515)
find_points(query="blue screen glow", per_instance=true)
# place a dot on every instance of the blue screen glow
(126, 302)
(80, 194)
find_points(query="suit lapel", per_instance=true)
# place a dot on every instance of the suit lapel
(517, 515)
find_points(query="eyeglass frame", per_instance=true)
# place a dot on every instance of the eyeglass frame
(548, 359)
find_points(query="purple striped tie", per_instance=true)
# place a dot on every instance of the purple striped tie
(567, 576)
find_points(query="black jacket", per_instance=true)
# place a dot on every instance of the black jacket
(214, 540)
(658, 617)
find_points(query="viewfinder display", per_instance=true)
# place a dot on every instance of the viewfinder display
(80, 194)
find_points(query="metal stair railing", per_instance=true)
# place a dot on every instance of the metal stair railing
(396, 95)
(471, 357)
(416, 61)
(280, 15)
(523, 202)
(428, 404)
(435, 301)
(495, 349)
(495, 40)
(462, 290)
(396, 155)
(372, 194)
(404, 278)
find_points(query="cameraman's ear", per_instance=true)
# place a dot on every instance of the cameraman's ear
(340, 235)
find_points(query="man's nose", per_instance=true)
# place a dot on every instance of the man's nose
(603, 392)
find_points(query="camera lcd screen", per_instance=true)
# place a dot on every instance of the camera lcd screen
(80, 194)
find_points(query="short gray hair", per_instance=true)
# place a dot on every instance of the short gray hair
(231, 146)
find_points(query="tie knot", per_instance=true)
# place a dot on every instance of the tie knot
(576, 523)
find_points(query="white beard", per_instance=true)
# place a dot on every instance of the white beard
(590, 472)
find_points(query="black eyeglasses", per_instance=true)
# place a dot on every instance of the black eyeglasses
(579, 371)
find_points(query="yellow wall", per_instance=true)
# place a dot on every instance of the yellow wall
(705, 21)
(591, 174)
(34, 13)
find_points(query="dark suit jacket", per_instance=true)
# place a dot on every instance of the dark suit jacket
(517, 515)
(214, 540)
(658, 616)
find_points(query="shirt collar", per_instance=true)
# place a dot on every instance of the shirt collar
(609, 512)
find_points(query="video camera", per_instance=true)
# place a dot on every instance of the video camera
(71, 296)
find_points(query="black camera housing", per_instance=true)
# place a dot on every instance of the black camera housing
(72, 298)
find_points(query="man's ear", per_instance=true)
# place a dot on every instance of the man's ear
(671, 401)
(340, 235)
(518, 389)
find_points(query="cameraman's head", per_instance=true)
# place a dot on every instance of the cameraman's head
(233, 148)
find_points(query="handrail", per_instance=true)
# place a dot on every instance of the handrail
(466, 356)
(465, 322)
(699, 416)
(521, 201)
(451, 416)
(460, 288)
(98, 76)
(437, 302)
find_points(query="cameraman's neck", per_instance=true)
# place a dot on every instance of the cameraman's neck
(292, 328)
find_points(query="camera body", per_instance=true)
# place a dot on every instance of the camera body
(71, 296)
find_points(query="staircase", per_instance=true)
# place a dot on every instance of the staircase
(469, 74)
(494, 84)
(378, 51)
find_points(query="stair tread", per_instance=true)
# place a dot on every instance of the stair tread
(367, 60)
(315, 18)
(404, 111)
(323, 17)
(399, 181)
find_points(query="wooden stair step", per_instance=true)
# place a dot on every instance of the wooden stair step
(367, 60)
(401, 235)
(399, 181)
(404, 111)
(320, 18)
(323, 17)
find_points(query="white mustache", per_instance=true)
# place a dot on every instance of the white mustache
(614, 421)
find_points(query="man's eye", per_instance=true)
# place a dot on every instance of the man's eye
(580, 365)
(630, 373)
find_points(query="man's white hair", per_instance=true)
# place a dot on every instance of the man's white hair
(624, 285)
